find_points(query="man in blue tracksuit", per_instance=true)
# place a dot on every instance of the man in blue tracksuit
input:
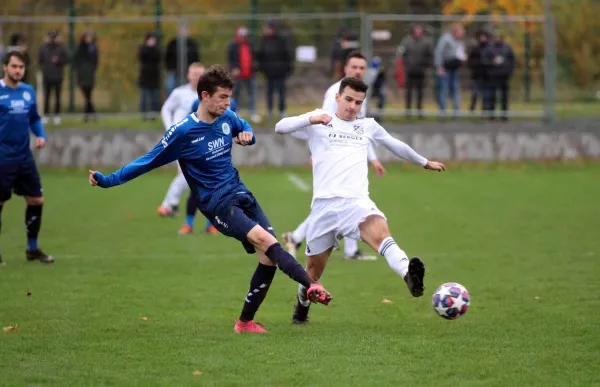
(18, 172)
(202, 143)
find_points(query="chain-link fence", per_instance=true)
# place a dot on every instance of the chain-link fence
(378, 36)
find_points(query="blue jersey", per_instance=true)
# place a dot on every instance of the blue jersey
(204, 154)
(18, 115)
(232, 105)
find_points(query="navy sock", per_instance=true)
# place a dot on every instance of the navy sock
(288, 264)
(33, 222)
(259, 286)
(191, 205)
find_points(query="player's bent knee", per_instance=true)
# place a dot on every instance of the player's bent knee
(34, 201)
(374, 230)
(260, 238)
(262, 258)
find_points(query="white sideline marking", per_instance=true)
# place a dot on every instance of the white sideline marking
(298, 182)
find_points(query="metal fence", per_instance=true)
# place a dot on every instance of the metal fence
(377, 36)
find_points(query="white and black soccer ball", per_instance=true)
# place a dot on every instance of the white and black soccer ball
(451, 300)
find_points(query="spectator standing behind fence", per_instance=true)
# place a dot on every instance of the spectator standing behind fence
(241, 63)
(85, 64)
(276, 63)
(149, 57)
(416, 50)
(479, 78)
(375, 79)
(499, 59)
(337, 65)
(173, 55)
(17, 43)
(53, 57)
(448, 57)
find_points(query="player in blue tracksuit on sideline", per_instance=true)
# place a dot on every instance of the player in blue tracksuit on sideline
(192, 205)
(202, 143)
(18, 172)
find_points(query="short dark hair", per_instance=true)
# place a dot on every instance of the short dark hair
(353, 83)
(214, 77)
(11, 54)
(355, 54)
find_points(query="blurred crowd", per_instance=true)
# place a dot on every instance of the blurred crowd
(489, 59)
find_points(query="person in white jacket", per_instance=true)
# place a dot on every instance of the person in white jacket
(355, 66)
(176, 108)
(341, 205)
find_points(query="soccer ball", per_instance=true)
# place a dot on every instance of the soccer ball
(451, 300)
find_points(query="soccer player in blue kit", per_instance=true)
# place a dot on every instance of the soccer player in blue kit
(18, 172)
(202, 143)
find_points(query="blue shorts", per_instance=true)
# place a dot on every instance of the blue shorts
(23, 179)
(240, 215)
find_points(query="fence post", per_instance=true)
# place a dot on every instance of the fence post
(253, 22)
(72, 14)
(158, 24)
(182, 57)
(527, 65)
(550, 66)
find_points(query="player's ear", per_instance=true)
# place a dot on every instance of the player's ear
(337, 97)
(204, 95)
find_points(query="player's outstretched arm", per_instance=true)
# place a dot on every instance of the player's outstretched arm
(403, 150)
(166, 151)
(291, 124)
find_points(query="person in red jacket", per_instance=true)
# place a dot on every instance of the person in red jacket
(240, 59)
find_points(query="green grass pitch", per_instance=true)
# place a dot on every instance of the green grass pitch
(130, 303)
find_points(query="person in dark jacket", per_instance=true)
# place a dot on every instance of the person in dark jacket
(275, 61)
(416, 50)
(85, 64)
(149, 57)
(479, 81)
(241, 63)
(17, 42)
(172, 55)
(499, 60)
(53, 57)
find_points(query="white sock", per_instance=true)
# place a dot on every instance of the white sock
(300, 232)
(395, 256)
(302, 295)
(350, 247)
(176, 190)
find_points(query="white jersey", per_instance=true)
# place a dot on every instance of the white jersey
(339, 152)
(178, 105)
(330, 105)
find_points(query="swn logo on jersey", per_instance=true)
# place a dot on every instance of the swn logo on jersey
(215, 144)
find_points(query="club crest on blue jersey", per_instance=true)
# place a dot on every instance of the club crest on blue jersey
(226, 128)
(26, 96)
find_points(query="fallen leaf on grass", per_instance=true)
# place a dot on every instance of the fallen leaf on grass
(10, 329)
(536, 297)
(196, 373)
(130, 216)
(143, 318)
(386, 301)
(28, 293)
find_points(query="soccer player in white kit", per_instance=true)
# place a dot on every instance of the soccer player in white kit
(355, 66)
(175, 109)
(341, 205)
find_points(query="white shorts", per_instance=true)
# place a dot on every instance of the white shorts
(332, 219)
